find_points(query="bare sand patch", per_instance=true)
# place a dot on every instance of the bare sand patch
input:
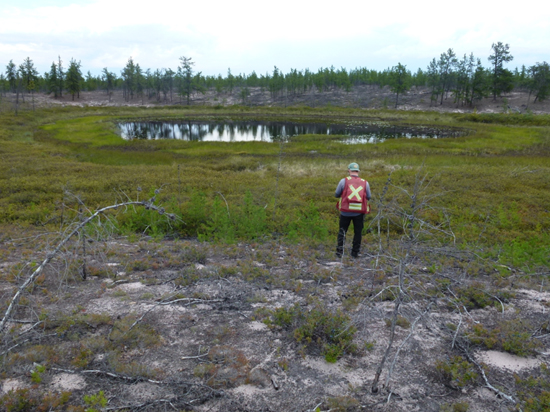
(12, 385)
(127, 287)
(68, 382)
(507, 361)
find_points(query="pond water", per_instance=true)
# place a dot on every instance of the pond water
(255, 131)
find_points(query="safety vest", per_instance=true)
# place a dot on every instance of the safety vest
(354, 196)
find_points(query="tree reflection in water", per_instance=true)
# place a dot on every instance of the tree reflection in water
(272, 131)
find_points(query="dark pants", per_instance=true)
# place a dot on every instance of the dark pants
(357, 229)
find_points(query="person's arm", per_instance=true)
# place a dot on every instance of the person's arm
(340, 188)
(368, 191)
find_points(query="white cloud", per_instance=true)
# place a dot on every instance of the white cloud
(247, 35)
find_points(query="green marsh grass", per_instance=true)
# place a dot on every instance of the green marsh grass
(493, 182)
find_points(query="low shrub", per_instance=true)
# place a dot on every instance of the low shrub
(534, 390)
(27, 400)
(321, 330)
(511, 336)
(228, 367)
(456, 372)
(476, 296)
(455, 407)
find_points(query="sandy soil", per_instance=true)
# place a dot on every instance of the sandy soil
(374, 97)
(216, 354)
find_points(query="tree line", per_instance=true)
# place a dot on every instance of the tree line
(466, 80)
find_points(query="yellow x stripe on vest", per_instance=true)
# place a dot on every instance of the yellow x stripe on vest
(355, 192)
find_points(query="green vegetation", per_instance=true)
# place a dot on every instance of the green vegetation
(95, 401)
(492, 183)
(320, 330)
(534, 390)
(455, 407)
(456, 372)
(513, 336)
(25, 400)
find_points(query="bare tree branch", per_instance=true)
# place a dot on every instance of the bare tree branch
(50, 256)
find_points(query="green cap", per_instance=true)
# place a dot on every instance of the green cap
(354, 167)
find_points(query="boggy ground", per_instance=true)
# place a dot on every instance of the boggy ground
(367, 97)
(188, 325)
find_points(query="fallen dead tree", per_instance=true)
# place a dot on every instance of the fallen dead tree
(148, 204)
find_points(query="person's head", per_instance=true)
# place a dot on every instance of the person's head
(353, 169)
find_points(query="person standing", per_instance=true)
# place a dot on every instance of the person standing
(354, 194)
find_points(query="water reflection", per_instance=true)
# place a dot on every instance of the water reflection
(271, 131)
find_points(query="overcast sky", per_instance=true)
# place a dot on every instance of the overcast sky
(247, 35)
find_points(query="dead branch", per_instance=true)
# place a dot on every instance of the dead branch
(390, 287)
(496, 298)
(226, 204)
(195, 357)
(463, 307)
(390, 370)
(191, 301)
(178, 399)
(25, 341)
(170, 402)
(109, 375)
(50, 256)
(482, 372)
(374, 387)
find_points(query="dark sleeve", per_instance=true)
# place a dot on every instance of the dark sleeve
(340, 188)
(368, 191)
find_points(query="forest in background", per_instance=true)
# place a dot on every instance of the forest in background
(466, 79)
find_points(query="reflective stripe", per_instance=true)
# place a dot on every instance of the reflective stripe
(355, 206)
(355, 192)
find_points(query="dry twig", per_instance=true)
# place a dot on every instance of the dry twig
(50, 256)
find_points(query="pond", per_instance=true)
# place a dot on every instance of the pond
(256, 131)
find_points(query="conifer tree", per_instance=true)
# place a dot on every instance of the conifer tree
(502, 79)
(74, 78)
(399, 80)
(52, 83)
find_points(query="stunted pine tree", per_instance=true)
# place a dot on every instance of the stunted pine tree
(90, 82)
(168, 83)
(185, 78)
(12, 75)
(539, 81)
(140, 82)
(74, 78)
(51, 81)
(276, 83)
(60, 76)
(3, 84)
(230, 81)
(108, 78)
(465, 70)
(480, 83)
(29, 77)
(129, 79)
(446, 66)
(399, 80)
(502, 79)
